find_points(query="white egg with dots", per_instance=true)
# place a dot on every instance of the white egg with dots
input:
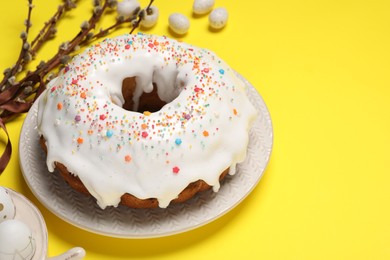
(202, 6)
(218, 18)
(179, 23)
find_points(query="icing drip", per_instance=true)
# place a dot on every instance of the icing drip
(200, 132)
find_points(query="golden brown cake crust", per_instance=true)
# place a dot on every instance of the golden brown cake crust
(128, 199)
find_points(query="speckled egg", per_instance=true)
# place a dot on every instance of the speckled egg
(202, 6)
(16, 240)
(218, 18)
(179, 23)
(7, 207)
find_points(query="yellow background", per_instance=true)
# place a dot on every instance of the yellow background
(323, 69)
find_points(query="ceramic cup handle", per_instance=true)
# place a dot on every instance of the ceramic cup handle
(76, 253)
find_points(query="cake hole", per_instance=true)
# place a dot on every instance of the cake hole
(148, 101)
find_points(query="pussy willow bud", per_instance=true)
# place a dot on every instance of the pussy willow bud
(64, 59)
(112, 3)
(53, 31)
(137, 10)
(97, 10)
(69, 4)
(7, 71)
(84, 25)
(120, 18)
(27, 90)
(26, 46)
(134, 23)
(96, 2)
(27, 23)
(12, 80)
(41, 64)
(64, 46)
(23, 35)
(89, 36)
(27, 57)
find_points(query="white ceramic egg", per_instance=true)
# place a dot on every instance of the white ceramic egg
(202, 6)
(16, 240)
(218, 18)
(149, 20)
(7, 207)
(179, 23)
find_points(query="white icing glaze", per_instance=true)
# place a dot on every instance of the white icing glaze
(200, 132)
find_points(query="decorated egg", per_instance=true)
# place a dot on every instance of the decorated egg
(218, 18)
(179, 23)
(7, 207)
(202, 6)
(16, 240)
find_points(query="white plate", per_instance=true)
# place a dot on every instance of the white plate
(30, 215)
(83, 212)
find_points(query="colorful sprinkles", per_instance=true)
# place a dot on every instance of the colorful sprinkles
(178, 141)
(109, 133)
(128, 158)
(175, 170)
